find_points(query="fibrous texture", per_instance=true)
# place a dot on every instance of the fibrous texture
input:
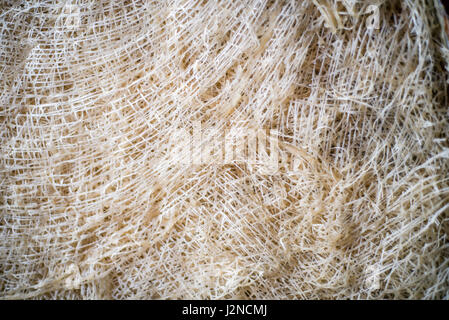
(96, 204)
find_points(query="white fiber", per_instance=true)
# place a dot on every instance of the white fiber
(99, 198)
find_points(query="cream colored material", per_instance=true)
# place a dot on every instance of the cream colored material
(93, 206)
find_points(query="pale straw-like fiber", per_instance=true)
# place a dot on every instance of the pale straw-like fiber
(95, 204)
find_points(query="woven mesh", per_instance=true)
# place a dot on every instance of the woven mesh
(94, 203)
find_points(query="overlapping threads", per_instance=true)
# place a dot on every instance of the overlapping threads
(94, 205)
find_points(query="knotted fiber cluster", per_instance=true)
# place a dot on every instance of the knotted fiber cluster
(95, 206)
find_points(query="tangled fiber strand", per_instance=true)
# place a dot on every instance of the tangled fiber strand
(94, 205)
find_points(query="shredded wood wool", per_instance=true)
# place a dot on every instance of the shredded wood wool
(95, 206)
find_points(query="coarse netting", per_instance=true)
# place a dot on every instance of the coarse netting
(94, 205)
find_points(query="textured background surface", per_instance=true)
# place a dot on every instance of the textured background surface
(94, 205)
